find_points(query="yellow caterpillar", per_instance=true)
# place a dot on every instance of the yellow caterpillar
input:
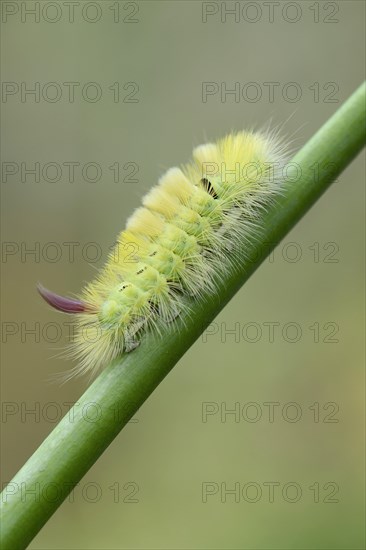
(184, 234)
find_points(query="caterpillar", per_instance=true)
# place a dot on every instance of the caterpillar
(182, 237)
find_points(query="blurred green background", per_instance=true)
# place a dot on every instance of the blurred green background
(165, 458)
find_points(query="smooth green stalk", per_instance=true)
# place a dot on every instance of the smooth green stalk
(115, 396)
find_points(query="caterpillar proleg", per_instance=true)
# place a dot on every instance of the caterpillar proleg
(181, 238)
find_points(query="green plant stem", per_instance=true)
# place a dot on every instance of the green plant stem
(115, 396)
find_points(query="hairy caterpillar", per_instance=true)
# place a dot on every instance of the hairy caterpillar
(179, 240)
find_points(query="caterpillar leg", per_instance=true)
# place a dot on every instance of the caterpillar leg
(131, 344)
(130, 341)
